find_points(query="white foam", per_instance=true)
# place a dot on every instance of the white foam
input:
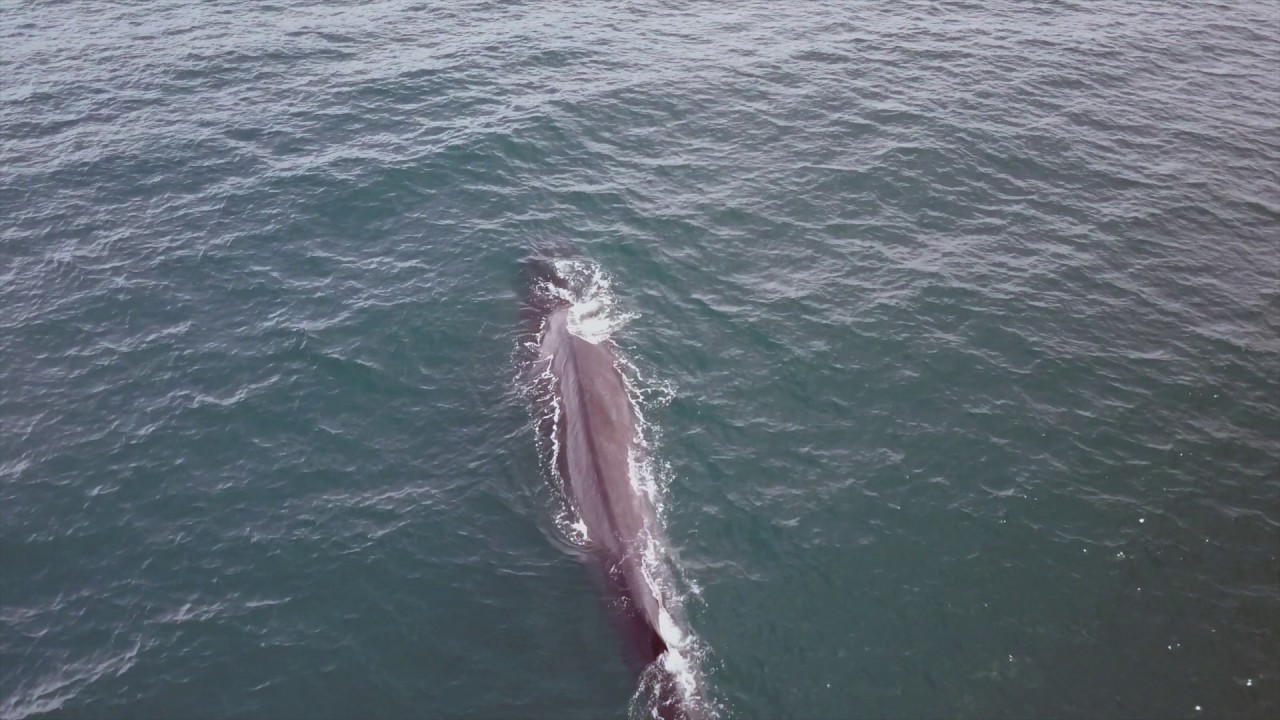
(594, 314)
(642, 475)
(667, 628)
(682, 670)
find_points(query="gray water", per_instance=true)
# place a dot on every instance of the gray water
(960, 324)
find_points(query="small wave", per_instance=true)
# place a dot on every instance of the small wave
(54, 690)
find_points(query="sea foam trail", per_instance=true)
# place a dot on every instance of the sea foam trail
(595, 315)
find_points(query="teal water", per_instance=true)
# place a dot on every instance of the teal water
(961, 323)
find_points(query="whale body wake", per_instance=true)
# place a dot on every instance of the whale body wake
(592, 436)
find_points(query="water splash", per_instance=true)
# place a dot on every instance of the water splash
(594, 314)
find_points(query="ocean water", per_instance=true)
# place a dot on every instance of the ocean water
(959, 324)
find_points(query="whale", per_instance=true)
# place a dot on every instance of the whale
(589, 428)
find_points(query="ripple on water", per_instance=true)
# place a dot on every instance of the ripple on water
(967, 315)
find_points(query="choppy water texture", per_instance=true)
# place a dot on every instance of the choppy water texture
(962, 319)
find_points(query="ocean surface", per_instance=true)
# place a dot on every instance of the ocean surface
(958, 326)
